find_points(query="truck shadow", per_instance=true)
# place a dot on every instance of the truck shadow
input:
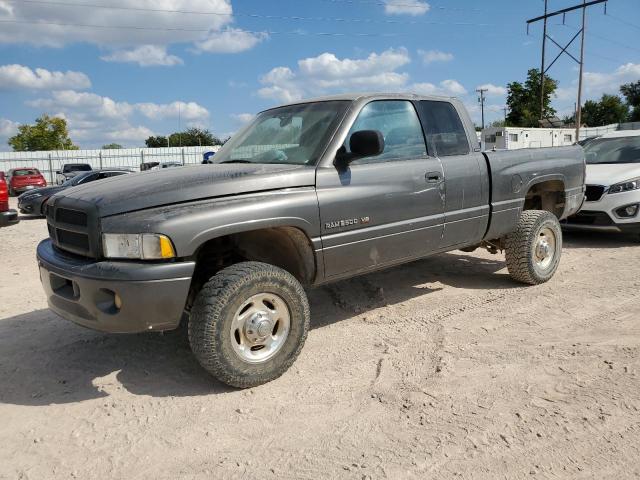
(46, 360)
(577, 239)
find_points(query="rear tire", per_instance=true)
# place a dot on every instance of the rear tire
(248, 323)
(534, 248)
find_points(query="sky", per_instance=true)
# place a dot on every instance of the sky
(122, 70)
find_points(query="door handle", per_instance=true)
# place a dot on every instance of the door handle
(433, 177)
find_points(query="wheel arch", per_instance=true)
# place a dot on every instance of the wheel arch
(546, 193)
(284, 246)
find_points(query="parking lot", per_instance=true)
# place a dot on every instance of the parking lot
(443, 367)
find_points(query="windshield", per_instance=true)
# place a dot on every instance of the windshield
(26, 172)
(613, 150)
(295, 134)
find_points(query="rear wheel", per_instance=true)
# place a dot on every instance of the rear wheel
(248, 323)
(533, 250)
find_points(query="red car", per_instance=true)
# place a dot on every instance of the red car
(7, 216)
(21, 179)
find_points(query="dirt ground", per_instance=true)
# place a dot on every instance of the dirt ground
(442, 368)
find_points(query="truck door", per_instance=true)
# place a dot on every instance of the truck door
(383, 209)
(466, 207)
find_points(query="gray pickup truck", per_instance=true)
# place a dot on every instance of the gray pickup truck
(307, 194)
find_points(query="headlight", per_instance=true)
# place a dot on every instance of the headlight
(627, 186)
(146, 246)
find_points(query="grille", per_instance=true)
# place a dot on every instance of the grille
(73, 227)
(594, 193)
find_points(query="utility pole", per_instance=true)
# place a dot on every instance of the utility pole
(563, 49)
(544, 44)
(481, 100)
(579, 109)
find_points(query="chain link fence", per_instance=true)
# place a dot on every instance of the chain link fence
(49, 162)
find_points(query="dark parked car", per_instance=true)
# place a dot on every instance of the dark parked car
(307, 194)
(34, 201)
(7, 216)
(23, 179)
(70, 170)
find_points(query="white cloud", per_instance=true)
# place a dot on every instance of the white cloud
(242, 118)
(94, 119)
(145, 56)
(19, 76)
(185, 110)
(406, 7)
(326, 73)
(231, 40)
(430, 56)
(447, 88)
(138, 134)
(493, 90)
(8, 129)
(56, 25)
(596, 84)
(89, 103)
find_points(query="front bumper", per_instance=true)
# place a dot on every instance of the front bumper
(9, 217)
(600, 215)
(152, 295)
(31, 205)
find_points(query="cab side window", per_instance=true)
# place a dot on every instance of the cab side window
(443, 128)
(398, 122)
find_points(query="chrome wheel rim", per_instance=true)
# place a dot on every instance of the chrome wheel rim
(544, 250)
(260, 327)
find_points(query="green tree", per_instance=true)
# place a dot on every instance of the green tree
(523, 100)
(48, 133)
(156, 142)
(609, 109)
(631, 92)
(112, 146)
(192, 137)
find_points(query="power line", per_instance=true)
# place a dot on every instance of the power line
(606, 39)
(181, 29)
(248, 15)
(622, 20)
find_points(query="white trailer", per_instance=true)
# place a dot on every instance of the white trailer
(510, 138)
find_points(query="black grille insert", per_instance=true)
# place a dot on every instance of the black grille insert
(79, 241)
(72, 217)
(594, 193)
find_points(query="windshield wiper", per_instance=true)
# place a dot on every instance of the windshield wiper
(237, 161)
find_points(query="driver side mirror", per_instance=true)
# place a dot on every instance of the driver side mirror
(363, 143)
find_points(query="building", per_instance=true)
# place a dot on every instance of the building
(511, 138)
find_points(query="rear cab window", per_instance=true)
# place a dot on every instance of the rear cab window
(443, 128)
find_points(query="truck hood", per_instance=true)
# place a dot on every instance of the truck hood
(610, 173)
(127, 193)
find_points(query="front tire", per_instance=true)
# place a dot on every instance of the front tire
(248, 323)
(534, 248)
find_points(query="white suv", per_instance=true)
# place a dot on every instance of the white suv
(613, 184)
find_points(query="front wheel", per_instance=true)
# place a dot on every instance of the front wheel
(534, 248)
(248, 323)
